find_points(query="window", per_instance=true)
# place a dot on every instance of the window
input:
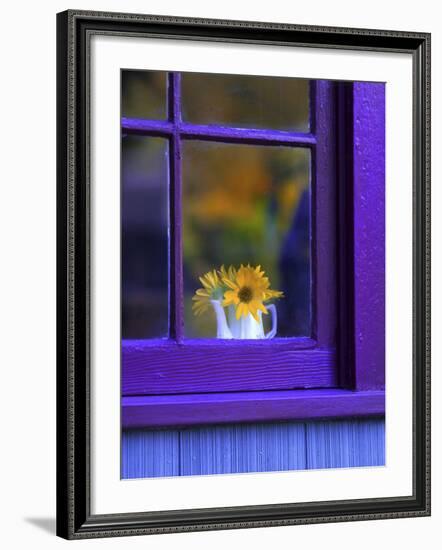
(186, 166)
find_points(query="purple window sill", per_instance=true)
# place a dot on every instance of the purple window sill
(159, 367)
(217, 408)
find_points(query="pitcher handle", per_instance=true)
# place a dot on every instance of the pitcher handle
(272, 331)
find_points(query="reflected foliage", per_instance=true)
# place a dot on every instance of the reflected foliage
(143, 94)
(246, 101)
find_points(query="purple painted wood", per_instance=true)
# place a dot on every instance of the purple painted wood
(176, 300)
(369, 234)
(185, 410)
(216, 133)
(147, 127)
(246, 135)
(165, 367)
(324, 200)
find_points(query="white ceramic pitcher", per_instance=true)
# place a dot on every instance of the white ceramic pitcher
(245, 328)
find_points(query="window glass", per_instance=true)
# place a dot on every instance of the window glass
(246, 101)
(144, 237)
(247, 204)
(143, 94)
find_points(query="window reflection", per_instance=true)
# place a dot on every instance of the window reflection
(247, 203)
(143, 94)
(144, 237)
(246, 101)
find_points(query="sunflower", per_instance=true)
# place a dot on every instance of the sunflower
(212, 290)
(248, 288)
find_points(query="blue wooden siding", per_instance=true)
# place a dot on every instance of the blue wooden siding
(239, 448)
(343, 444)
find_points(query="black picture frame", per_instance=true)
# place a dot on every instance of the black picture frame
(74, 519)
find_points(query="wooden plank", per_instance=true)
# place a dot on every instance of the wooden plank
(345, 443)
(164, 368)
(256, 136)
(149, 453)
(242, 448)
(139, 126)
(214, 132)
(369, 234)
(176, 304)
(185, 410)
(324, 210)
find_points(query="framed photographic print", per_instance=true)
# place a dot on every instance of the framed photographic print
(243, 274)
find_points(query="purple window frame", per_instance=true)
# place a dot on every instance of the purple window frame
(339, 370)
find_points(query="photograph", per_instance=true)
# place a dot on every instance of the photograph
(224, 202)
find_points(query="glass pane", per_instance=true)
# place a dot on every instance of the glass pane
(144, 243)
(247, 204)
(143, 94)
(246, 101)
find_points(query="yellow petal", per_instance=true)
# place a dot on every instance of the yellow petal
(239, 310)
(230, 284)
(202, 292)
(230, 297)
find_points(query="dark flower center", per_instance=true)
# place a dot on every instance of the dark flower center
(245, 294)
